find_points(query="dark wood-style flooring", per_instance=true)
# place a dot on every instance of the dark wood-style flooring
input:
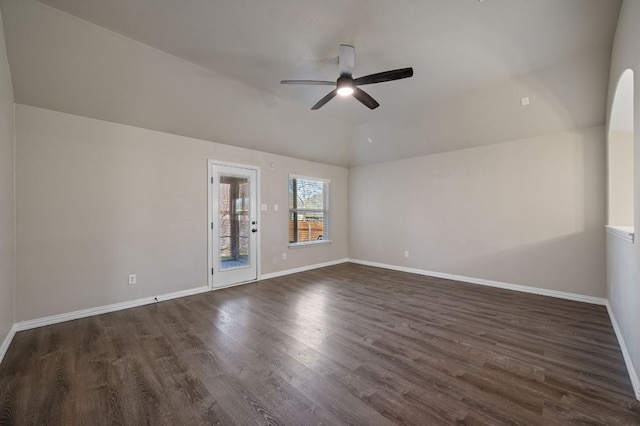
(348, 344)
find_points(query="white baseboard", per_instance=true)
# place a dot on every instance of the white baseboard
(54, 319)
(7, 341)
(302, 269)
(490, 283)
(633, 375)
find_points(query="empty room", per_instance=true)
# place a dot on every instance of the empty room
(296, 212)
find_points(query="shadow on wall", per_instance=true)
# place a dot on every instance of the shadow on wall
(527, 212)
(539, 240)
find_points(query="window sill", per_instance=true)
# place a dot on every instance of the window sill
(309, 243)
(627, 233)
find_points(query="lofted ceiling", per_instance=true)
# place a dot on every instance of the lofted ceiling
(453, 45)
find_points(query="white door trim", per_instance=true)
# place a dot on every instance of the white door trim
(211, 217)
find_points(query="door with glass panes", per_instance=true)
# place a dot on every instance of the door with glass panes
(233, 224)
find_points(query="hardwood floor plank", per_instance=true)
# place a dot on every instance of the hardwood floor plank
(347, 344)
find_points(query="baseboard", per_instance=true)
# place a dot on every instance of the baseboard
(7, 341)
(490, 283)
(633, 375)
(301, 269)
(55, 319)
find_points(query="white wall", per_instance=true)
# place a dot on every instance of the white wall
(97, 201)
(620, 178)
(623, 258)
(494, 190)
(7, 255)
(528, 212)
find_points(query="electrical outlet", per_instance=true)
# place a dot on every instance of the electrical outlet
(284, 256)
(406, 253)
(132, 279)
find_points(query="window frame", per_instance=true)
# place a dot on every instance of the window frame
(325, 211)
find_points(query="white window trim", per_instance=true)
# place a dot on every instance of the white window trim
(326, 210)
(316, 179)
(309, 243)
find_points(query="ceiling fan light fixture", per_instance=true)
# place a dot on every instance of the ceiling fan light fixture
(345, 91)
(345, 86)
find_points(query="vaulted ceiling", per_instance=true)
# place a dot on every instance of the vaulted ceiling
(453, 45)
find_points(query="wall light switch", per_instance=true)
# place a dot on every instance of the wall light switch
(132, 279)
(524, 101)
(275, 207)
(263, 207)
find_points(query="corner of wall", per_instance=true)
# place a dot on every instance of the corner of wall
(633, 375)
(8, 202)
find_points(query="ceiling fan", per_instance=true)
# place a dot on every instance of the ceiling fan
(347, 85)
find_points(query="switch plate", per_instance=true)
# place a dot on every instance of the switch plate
(132, 279)
(524, 101)
(284, 256)
(275, 207)
(406, 253)
(263, 207)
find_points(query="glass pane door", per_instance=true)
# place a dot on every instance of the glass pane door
(234, 221)
(234, 225)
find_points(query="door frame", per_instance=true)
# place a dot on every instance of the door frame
(211, 217)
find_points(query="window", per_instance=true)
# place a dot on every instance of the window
(308, 209)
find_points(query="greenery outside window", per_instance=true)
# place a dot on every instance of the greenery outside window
(308, 210)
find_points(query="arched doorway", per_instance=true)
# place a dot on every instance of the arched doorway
(620, 155)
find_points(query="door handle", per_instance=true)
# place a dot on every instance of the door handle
(254, 230)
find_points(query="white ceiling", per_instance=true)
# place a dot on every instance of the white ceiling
(210, 69)
(453, 45)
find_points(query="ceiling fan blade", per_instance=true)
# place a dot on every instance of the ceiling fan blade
(346, 59)
(326, 99)
(384, 76)
(365, 98)
(309, 82)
